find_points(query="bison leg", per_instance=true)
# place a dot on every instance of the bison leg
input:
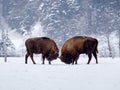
(26, 57)
(43, 57)
(95, 55)
(31, 56)
(90, 57)
(50, 62)
(72, 61)
(76, 59)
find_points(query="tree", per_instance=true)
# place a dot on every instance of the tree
(4, 38)
(118, 1)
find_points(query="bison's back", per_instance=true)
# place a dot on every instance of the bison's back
(40, 44)
(73, 44)
(39, 41)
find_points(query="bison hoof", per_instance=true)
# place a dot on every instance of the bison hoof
(76, 63)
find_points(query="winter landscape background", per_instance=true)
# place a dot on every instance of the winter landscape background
(59, 20)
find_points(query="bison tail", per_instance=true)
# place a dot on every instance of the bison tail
(96, 46)
(96, 50)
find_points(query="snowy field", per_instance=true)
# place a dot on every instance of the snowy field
(15, 75)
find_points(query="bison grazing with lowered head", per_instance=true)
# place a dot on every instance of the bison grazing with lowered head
(77, 45)
(41, 45)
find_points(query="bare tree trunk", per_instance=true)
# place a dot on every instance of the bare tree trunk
(119, 43)
(87, 11)
(4, 38)
(5, 51)
(109, 46)
(118, 2)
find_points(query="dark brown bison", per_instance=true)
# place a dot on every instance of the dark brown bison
(41, 45)
(77, 45)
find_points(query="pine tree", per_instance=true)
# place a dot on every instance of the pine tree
(4, 46)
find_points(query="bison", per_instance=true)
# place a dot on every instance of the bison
(77, 45)
(41, 45)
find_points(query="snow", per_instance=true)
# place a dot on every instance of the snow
(15, 75)
(37, 30)
(16, 39)
(41, 6)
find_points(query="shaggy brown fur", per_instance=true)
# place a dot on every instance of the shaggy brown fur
(41, 45)
(77, 45)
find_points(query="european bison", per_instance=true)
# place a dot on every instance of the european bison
(77, 45)
(41, 45)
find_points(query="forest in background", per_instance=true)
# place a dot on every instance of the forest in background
(60, 20)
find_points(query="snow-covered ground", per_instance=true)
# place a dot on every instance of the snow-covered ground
(15, 75)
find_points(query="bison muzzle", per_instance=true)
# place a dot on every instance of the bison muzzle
(41, 45)
(77, 45)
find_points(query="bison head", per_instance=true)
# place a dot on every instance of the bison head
(52, 56)
(67, 59)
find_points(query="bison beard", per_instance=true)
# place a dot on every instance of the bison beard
(77, 45)
(66, 58)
